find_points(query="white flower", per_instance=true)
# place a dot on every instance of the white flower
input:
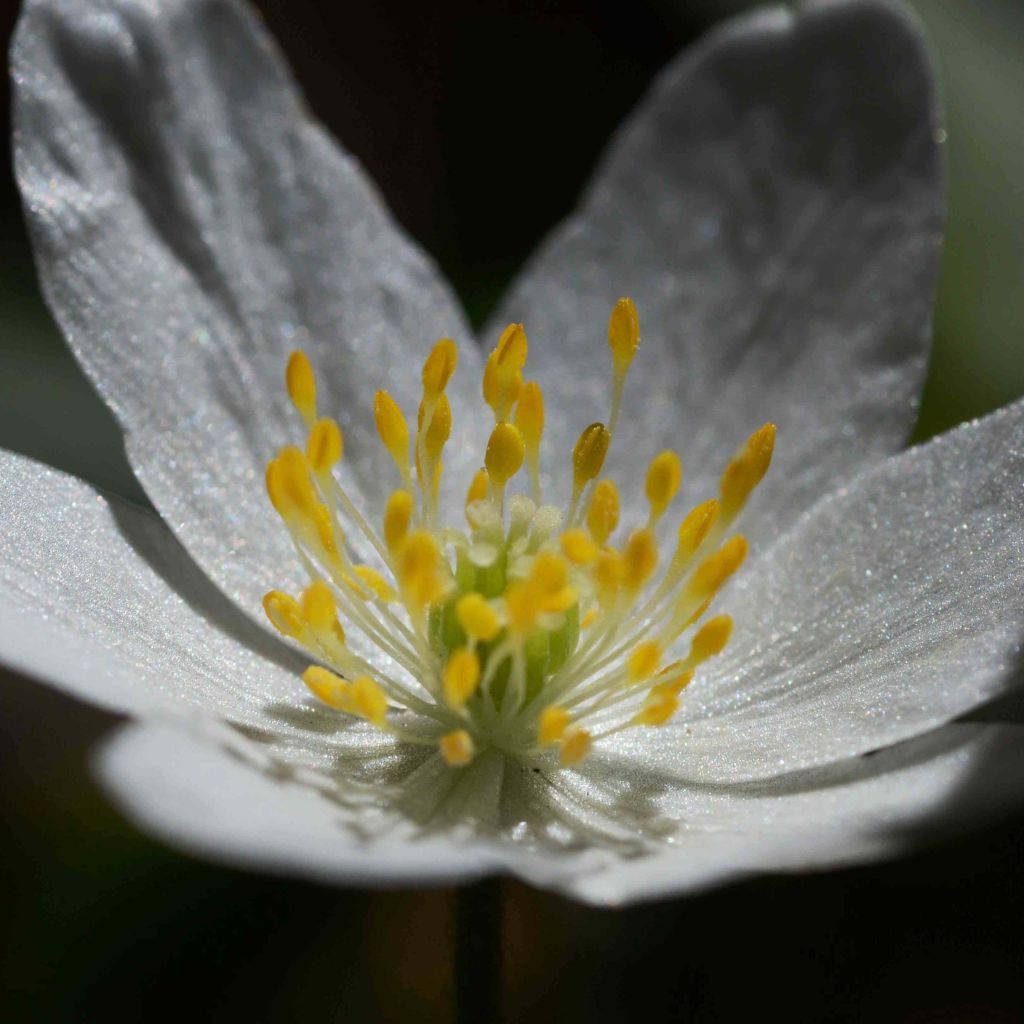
(774, 210)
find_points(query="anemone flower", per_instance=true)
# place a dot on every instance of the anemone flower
(509, 645)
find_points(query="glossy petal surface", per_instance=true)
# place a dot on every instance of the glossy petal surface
(774, 209)
(192, 224)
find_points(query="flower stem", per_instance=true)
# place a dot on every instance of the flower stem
(477, 928)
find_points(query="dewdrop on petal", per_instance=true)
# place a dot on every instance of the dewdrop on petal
(510, 624)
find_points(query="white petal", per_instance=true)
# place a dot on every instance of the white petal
(774, 209)
(854, 811)
(894, 606)
(192, 224)
(99, 599)
(199, 794)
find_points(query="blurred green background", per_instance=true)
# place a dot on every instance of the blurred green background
(99, 923)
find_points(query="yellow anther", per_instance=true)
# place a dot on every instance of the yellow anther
(549, 578)
(530, 415)
(325, 446)
(284, 613)
(609, 572)
(392, 429)
(589, 453)
(522, 607)
(675, 680)
(504, 456)
(530, 421)
(477, 617)
(375, 583)
(589, 619)
(419, 569)
(301, 384)
(397, 517)
(716, 569)
(574, 745)
(457, 748)
(623, 334)
(318, 606)
(664, 476)
(711, 639)
(326, 533)
(326, 686)
(694, 528)
(512, 348)
(276, 488)
(578, 547)
(643, 661)
(440, 429)
(746, 470)
(641, 558)
(603, 512)
(658, 707)
(503, 376)
(439, 367)
(289, 483)
(368, 700)
(461, 677)
(552, 724)
(479, 487)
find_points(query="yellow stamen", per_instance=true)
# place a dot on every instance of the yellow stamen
(578, 547)
(746, 470)
(393, 431)
(716, 569)
(479, 487)
(326, 686)
(368, 701)
(711, 639)
(530, 421)
(658, 707)
(641, 558)
(504, 456)
(318, 606)
(439, 367)
(436, 435)
(397, 517)
(477, 617)
(457, 748)
(603, 513)
(522, 607)
(284, 614)
(588, 456)
(552, 724)
(461, 677)
(623, 334)
(663, 479)
(574, 745)
(419, 569)
(325, 446)
(503, 372)
(693, 529)
(644, 660)
(623, 340)
(376, 583)
(301, 385)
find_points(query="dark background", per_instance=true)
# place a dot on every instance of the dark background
(480, 123)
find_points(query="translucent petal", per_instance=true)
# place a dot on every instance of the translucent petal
(311, 825)
(893, 606)
(192, 224)
(98, 598)
(774, 208)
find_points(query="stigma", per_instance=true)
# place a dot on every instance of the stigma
(515, 625)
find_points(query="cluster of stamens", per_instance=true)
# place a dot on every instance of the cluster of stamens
(530, 628)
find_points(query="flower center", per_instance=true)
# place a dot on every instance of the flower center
(530, 627)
